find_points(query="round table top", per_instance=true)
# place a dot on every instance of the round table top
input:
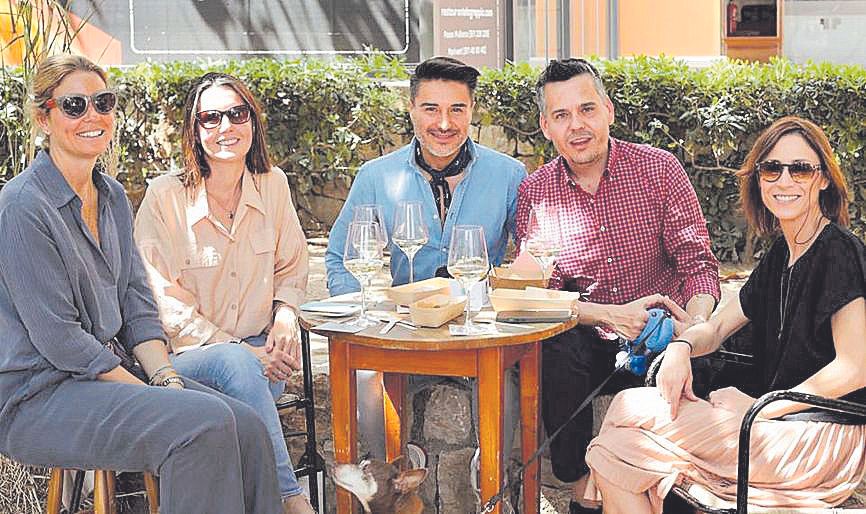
(428, 339)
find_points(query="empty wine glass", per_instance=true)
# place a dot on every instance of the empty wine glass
(410, 231)
(468, 263)
(543, 238)
(373, 213)
(362, 257)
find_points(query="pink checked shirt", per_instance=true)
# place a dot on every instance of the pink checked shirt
(641, 233)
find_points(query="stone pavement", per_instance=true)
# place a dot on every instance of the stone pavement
(448, 440)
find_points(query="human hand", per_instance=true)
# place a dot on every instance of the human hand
(674, 378)
(731, 399)
(275, 363)
(630, 319)
(174, 385)
(284, 336)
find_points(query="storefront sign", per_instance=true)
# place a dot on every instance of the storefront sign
(469, 30)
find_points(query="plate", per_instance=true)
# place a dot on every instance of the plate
(331, 309)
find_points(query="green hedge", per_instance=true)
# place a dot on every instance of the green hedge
(326, 119)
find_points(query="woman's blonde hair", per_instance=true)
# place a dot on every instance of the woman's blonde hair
(49, 74)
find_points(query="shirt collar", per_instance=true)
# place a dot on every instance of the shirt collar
(56, 187)
(613, 153)
(251, 196)
(410, 155)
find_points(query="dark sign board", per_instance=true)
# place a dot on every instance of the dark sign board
(469, 30)
(188, 29)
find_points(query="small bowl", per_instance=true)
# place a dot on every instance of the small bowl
(436, 310)
(408, 294)
(504, 278)
(531, 299)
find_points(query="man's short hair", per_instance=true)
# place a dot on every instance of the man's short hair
(443, 68)
(566, 69)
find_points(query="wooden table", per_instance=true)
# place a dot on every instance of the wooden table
(435, 352)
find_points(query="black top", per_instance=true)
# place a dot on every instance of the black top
(790, 309)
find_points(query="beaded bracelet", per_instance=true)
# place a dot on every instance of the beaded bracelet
(159, 372)
(173, 379)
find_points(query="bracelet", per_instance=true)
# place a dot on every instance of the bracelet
(159, 378)
(691, 348)
(174, 379)
(159, 371)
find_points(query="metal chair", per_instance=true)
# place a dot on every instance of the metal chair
(311, 463)
(103, 492)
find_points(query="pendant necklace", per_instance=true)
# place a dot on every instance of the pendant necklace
(235, 199)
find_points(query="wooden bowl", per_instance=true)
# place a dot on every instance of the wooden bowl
(408, 294)
(436, 310)
(503, 278)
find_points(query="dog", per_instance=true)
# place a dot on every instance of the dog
(381, 487)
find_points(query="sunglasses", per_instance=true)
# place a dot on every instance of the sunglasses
(74, 106)
(237, 115)
(800, 171)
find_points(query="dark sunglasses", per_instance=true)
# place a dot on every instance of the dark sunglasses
(800, 171)
(74, 106)
(237, 115)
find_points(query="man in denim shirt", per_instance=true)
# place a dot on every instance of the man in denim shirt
(458, 182)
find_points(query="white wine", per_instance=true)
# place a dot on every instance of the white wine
(468, 270)
(409, 246)
(364, 269)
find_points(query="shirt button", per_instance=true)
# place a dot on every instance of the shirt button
(609, 260)
(234, 307)
(187, 261)
(615, 290)
(602, 228)
(233, 274)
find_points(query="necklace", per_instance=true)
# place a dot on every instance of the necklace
(784, 292)
(234, 201)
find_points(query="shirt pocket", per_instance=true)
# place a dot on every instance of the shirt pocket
(264, 241)
(198, 268)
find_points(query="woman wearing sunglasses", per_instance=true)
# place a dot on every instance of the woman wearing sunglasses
(228, 260)
(805, 300)
(73, 290)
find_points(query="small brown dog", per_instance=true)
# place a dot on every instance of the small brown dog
(381, 487)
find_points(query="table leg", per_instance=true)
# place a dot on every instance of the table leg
(344, 415)
(530, 412)
(395, 391)
(491, 381)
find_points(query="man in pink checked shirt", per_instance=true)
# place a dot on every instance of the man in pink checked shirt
(632, 236)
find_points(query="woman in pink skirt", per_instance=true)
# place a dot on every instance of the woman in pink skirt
(805, 301)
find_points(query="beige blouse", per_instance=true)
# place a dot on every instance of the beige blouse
(212, 283)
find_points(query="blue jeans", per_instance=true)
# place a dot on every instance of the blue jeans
(233, 370)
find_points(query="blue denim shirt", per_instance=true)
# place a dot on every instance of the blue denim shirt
(486, 196)
(62, 295)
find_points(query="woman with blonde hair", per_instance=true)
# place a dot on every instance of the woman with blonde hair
(74, 295)
(805, 300)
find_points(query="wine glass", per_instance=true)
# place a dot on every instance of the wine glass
(362, 257)
(543, 238)
(373, 213)
(410, 231)
(468, 263)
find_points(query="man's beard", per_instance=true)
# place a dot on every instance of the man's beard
(437, 150)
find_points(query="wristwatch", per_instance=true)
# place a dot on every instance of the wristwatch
(173, 379)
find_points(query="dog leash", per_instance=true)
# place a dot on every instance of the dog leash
(497, 498)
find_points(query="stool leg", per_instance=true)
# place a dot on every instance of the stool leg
(101, 495)
(151, 487)
(55, 491)
(112, 484)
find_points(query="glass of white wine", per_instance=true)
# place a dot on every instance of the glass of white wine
(410, 231)
(468, 263)
(543, 240)
(372, 212)
(362, 257)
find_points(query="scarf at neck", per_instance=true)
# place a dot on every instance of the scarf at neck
(441, 190)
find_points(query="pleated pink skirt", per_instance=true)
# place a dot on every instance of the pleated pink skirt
(793, 463)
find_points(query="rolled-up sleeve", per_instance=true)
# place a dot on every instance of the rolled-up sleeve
(291, 259)
(686, 239)
(39, 288)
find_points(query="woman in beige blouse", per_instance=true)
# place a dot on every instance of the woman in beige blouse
(227, 259)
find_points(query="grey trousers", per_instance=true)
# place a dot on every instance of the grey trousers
(212, 453)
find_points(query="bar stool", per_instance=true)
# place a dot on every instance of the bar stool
(103, 492)
(311, 463)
